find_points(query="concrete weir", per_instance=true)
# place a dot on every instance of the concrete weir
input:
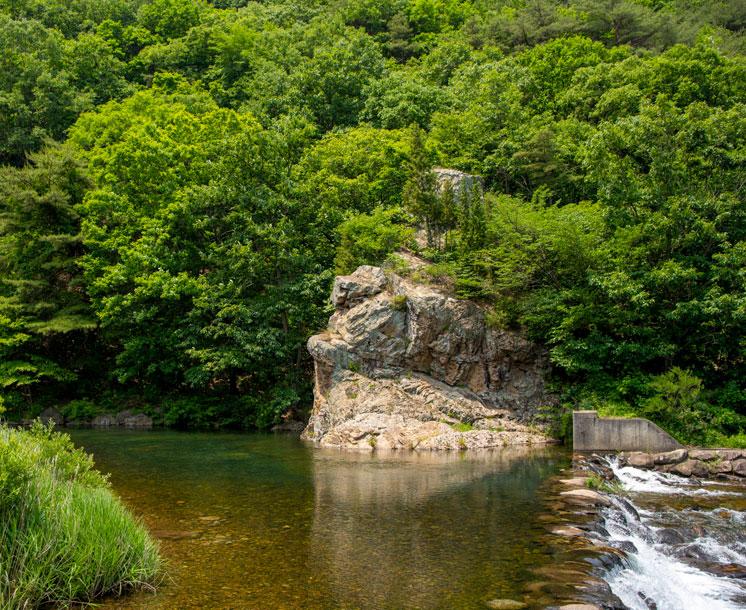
(591, 433)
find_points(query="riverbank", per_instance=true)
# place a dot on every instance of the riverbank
(64, 537)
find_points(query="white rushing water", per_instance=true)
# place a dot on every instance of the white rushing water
(655, 576)
(652, 481)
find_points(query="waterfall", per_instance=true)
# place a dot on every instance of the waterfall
(681, 554)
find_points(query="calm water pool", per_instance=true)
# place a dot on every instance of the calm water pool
(265, 522)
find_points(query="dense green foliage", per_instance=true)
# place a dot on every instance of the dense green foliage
(63, 534)
(222, 160)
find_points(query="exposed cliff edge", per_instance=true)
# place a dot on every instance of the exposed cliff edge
(405, 366)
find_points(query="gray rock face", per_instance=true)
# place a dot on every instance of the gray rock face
(350, 289)
(105, 420)
(51, 415)
(460, 181)
(407, 366)
(140, 420)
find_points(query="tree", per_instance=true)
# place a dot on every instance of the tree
(168, 18)
(353, 171)
(449, 211)
(201, 262)
(45, 316)
(398, 100)
(420, 195)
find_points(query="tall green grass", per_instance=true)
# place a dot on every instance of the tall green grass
(64, 536)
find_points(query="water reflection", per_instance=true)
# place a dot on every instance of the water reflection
(426, 530)
(262, 521)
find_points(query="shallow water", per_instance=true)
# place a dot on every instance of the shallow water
(266, 522)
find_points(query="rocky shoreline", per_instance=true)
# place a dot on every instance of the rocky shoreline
(700, 463)
(125, 419)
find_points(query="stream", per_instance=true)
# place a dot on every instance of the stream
(685, 542)
(261, 521)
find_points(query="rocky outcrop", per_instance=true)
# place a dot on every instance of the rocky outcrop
(404, 365)
(138, 420)
(699, 463)
(105, 420)
(460, 181)
(51, 415)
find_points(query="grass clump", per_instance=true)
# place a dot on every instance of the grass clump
(596, 482)
(399, 303)
(64, 537)
(462, 427)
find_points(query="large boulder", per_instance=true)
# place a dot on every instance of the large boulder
(105, 420)
(138, 420)
(52, 415)
(398, 356)
(461, 182)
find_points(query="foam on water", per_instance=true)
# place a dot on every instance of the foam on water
(672, 584)
(652, 481)
(653, 574)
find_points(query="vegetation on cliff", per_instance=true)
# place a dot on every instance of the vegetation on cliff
(64, 537)
(184, 178)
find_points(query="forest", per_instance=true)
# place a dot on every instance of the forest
(182, 179)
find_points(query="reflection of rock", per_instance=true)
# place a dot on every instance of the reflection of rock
(443, 523)
(354, 478)
(405, 366)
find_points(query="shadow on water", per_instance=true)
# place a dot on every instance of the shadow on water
(264, 521)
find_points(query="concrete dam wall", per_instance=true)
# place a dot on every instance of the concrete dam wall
(591, 433)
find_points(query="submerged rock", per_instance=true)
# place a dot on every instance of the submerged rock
(405, 366)
(175, 534)
(506, 604)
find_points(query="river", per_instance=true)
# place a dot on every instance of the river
(263, 521)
